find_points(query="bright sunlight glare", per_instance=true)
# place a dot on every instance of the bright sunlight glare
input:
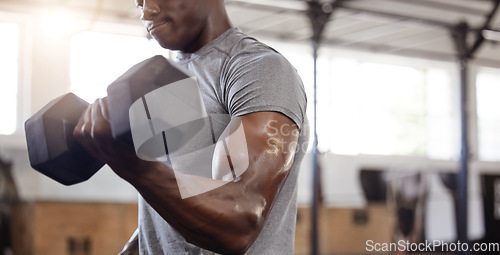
(97, 59)
(9, 48)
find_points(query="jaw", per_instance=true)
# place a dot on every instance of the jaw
(188, 32)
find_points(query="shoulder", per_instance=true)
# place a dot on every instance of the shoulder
(245, 50)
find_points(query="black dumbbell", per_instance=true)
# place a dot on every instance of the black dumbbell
(138, 81)
(52, 149)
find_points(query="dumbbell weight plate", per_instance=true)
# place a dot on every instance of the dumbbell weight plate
(52, 149)
(139, 80)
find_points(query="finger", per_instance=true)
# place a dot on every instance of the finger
(93, 121)
(98, 111)
(87, 122)
(94, 114)
(80, 129)
(99, 123)
(82, 132)
(104, 108)
(81, 122)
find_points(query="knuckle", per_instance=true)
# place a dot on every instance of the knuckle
(100, 132)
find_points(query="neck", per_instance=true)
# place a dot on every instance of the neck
(217, 23)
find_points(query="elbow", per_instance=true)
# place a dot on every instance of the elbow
(227, 243)
(247, 230)
(237, 235)
(236, 244)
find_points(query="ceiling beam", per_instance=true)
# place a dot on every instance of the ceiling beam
(435, 23)
(342, 5)
(442, 6)
(264, 7)
(491, 35)
(486, 26)
(374, 48)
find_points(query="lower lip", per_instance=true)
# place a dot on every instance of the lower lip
(158, 26)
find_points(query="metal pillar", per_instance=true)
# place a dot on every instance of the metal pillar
(318, 14)
(464, 154)
(465, 54)
(460, 36)
(315, 173)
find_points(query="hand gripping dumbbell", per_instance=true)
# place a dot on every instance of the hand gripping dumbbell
(54, 151)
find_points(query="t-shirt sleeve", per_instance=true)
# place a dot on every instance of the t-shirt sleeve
(265, 82)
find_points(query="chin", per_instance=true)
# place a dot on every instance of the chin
(167, 45)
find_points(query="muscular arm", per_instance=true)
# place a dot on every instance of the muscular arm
(226, 219)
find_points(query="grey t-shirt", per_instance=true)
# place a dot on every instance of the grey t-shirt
(238, 75)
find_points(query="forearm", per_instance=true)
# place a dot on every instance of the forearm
(225, 220)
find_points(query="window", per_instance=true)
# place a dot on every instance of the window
(380, 109)
(9, 51)
(372, 108)
(488, 113)
(97, 59)
(380, 105)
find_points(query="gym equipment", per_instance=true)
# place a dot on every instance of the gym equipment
(138, 81)
(374, 184)
(490, 186)
(407, 196)
(52, 149)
